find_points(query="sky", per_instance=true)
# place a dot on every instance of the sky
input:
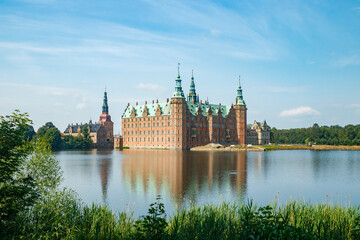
(299, 61)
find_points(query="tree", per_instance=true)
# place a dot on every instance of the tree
(17, 191)
(30, 198)
(42, 130)
(53, 137)
(30, 133)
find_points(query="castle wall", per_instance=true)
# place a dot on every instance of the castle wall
(182, 130)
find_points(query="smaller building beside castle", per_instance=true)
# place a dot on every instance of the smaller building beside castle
(259, 134)
(101, 132)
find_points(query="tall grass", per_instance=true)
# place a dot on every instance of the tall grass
(294, 220)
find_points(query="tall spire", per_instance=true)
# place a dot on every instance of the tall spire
(105, 107)
(239, 97)
(192, 93)
(178, 89)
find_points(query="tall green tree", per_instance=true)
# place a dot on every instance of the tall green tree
(42, 130)
(17, 191)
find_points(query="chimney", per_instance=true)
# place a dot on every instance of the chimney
(145, 102)
(200, 101)
(153, 101)
(167, 100)
(128, 104)
(136, 103)
(157, 101)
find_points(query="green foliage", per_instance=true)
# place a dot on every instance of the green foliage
(42, 130)
(333, 135)
(52, 136)
(153, 225)
(17, 192)
(30, 133)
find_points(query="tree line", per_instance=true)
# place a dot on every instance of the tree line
(51, 134)
(324, 135)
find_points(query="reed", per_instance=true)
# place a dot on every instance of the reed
(294, 220)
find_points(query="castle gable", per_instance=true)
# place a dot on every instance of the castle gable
(75, 128)
(215, 109)
(164, 108)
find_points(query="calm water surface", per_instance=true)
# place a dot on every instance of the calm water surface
(131, 179)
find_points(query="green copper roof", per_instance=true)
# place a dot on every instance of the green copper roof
(178, 89)
(105, 107)
(239, 97)
(165, 109)
(192, 92)
(151, 109)
(194, 108)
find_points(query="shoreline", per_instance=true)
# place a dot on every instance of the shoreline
(262, 148)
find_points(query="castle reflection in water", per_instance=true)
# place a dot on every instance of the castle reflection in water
(184, 173)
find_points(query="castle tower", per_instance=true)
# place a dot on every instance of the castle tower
(105, 138)
(192, 97)
(178, 116)
(240, 112)
(105, 117)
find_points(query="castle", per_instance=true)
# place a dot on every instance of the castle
(101, 132)
(182, 123)
(259, 134)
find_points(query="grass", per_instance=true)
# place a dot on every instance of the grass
(295, 220)
(121, 148)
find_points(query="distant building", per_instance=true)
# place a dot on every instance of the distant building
(184, 123)
(259, 134)
(118, 141)
(101, 132)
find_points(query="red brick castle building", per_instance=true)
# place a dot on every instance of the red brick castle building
(182, 123)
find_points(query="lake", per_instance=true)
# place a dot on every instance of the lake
(130, 180)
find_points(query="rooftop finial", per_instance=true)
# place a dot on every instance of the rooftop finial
(105, 88)
(178, 69)
(239, 80)
(192, 73)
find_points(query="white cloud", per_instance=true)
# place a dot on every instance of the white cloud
(356, 9)
(300, 111)
(349, 60)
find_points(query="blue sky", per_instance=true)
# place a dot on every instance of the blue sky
(299, 61)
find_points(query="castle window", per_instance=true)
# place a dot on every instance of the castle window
(169, 132)
(168, 139)
(178, 131)
(132, 125)
(168, 123)
(153, 124)
(162, 139)
(157, 124)
(162, 132)
(162, 124)
(149, 132)
(158, 132)
(178, 139)
(148, 124)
